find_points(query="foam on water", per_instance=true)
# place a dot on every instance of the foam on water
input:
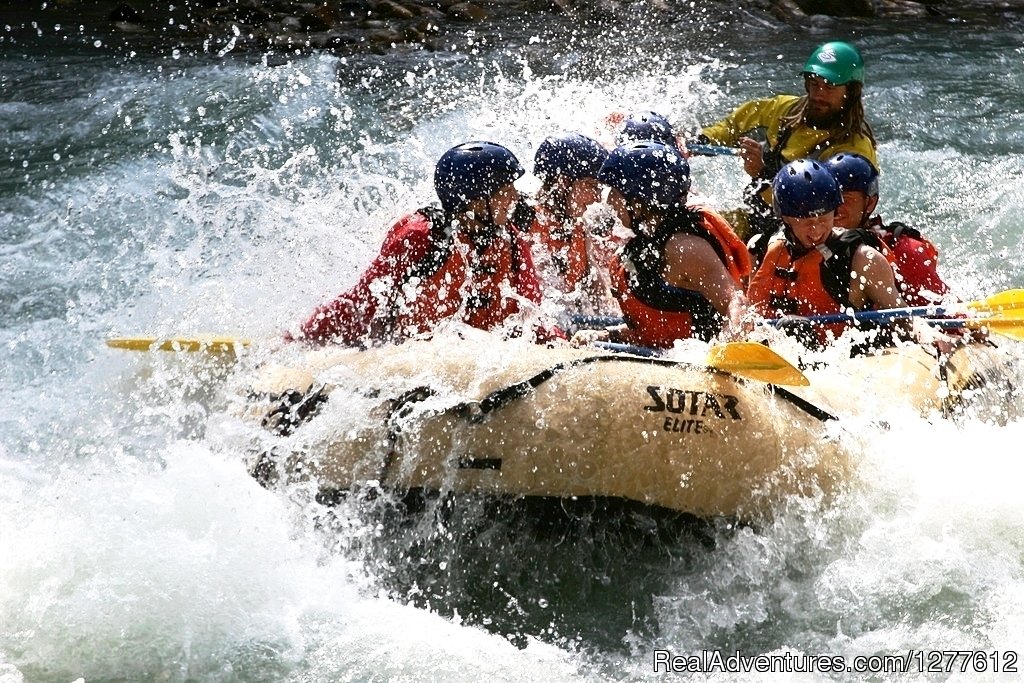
(187, 570)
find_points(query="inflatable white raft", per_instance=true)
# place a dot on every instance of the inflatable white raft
(519, 420)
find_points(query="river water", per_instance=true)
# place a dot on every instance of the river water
(171, 194)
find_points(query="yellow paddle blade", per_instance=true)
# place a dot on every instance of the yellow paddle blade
(202, 343)
(1010, 325)
(1007, 315)
(756, 361)
(1010, 300)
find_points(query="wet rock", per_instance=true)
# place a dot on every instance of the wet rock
(838, 8)
(285, 6)
(341, 26)
(391, 9)
(556, 6)
(786, 10)
(426, 26)
(125, 12)
(822, 21)
(247, 13)
(312, 22)
(411, 34)
(434, 44)
(325, 40)
(906, 9)
(384, 35)
(321, 18)
(126, 19)
(291, 24)
(466, 11)
(430, 13)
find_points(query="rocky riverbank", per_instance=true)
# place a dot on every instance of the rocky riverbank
(380, 26)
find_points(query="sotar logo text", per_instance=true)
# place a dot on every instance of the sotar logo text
(693, 403)
(827, 55)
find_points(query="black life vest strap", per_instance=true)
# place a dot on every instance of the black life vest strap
(442, 247)
(441, 243)
(836, 270)
(772, 155)
(646, 255)
(899, 229)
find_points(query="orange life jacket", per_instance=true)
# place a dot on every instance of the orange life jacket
(814, 282)
(657, 313)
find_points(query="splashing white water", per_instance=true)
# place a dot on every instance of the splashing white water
(234, 199)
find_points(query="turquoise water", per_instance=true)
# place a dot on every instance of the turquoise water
(166, 195)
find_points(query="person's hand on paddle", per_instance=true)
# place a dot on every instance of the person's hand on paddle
(752, 154)
(608, 334)
(927, 335)
(588, 337)
(549, 334)
(800, 328)
(742, 319)
(967, 335)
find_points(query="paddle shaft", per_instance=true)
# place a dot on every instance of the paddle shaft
(886, 315)
(194, 344)
(595, 321)
(1008, 300)
(1007, 327)
(712, 150)
(644, 351)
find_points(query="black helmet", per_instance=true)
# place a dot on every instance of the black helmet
(647, 125)
(473, 170)
(571, 155)
(854, 173)
(649, 172)
(805, 188)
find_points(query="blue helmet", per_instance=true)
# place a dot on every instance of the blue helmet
(647, 125)
(854, 173)
(805, 188)
(571, 155)
(649, 172)
(473, 170)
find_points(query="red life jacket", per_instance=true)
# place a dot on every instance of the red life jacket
(915, 260)
(814, 282)
(656, 313)
(425, 273)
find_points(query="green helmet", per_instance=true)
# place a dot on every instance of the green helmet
(837, 62)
